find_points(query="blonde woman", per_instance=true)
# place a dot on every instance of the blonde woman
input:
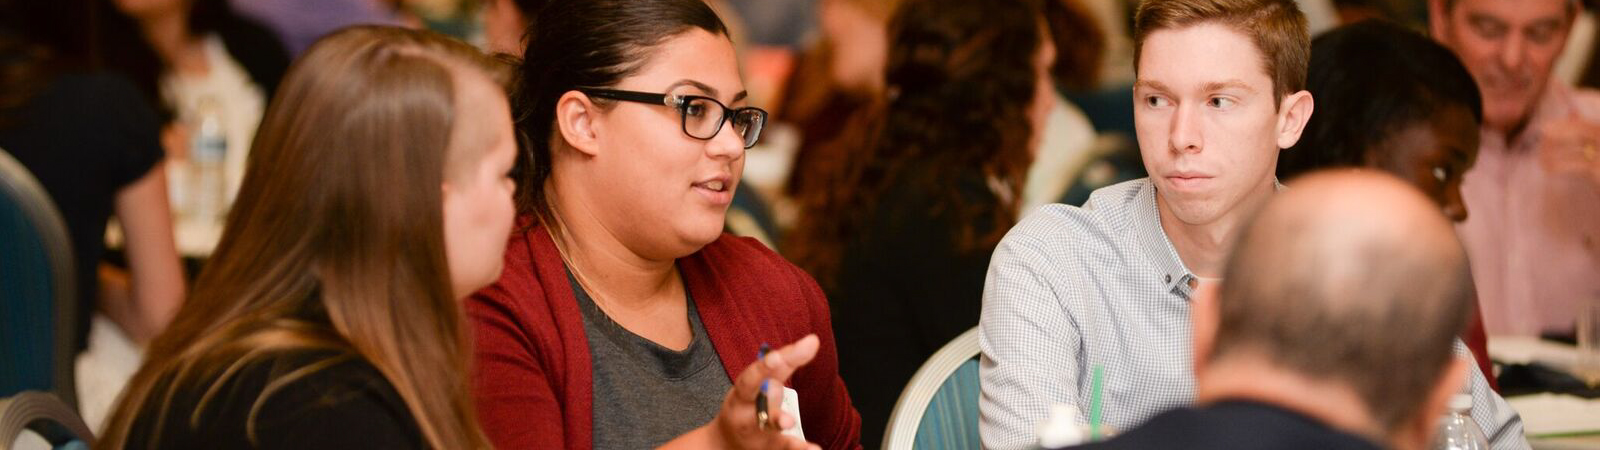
(329, 317)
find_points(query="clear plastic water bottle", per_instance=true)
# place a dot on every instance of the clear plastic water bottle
(208, 151)
(1457, 430)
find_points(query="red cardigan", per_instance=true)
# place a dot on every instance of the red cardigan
(531, 376)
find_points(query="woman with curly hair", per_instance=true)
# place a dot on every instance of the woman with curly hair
(901, 239)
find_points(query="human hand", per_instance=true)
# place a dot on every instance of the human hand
(175, 140)
(1570, 147)
(736, 423)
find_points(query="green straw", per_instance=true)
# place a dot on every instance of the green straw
(1094, 403)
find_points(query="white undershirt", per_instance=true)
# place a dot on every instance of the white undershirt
(240, 103)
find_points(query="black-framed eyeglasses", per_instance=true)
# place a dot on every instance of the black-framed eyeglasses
(702, 116)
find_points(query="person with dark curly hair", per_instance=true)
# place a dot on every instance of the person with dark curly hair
(902, 237)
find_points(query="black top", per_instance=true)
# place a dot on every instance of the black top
(1235, 425)
(347, 405)
(904, 289)
(85, 137)
(646, 394)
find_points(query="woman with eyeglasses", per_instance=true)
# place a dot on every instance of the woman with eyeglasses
(625, 318)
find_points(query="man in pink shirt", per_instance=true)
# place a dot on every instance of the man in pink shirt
(1533, 198)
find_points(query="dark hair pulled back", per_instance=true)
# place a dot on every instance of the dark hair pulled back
(586, 43)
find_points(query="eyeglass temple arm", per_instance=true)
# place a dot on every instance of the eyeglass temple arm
(643, 97)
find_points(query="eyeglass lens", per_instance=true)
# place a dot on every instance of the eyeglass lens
(703, 117)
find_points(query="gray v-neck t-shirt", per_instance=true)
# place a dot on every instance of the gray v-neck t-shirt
(646, 394)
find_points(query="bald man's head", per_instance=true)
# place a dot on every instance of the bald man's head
(1349, 276)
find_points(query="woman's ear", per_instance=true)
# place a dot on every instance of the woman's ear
(578, 119)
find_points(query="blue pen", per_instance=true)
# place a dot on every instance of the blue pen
(761, 399)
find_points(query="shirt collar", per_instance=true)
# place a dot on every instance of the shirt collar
(1553, 104)
(1170, 272)
(1175, 278)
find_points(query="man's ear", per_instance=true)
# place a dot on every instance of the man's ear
(578, 119)
(1205, 316)
(1293, 114)
(1438, 19)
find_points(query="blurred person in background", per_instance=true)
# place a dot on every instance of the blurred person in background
(298, 23)
(198, 61)
(1533, 235)
(1390, 98)
(778, 23)
(378, 197)
(505, 24)
(1074, 158)
(833, 81)
(900, 229)
(1356, 11)
(92, 140)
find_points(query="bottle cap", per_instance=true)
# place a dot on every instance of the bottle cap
(1461, 403)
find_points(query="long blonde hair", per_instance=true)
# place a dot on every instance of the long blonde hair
(339, 216)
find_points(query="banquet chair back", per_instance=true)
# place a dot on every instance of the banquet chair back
(38, 304)
(939, 407)
(46, 416)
